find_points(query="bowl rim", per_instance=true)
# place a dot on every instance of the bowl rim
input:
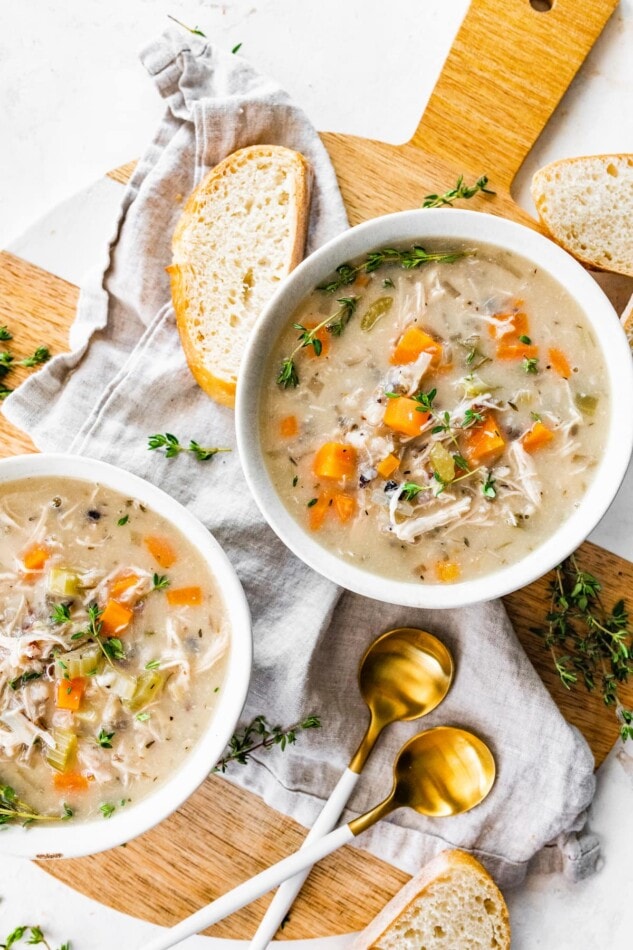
(66, 839)
(426, 225)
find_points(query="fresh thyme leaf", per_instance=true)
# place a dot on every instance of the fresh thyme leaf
(6, 359)
(153, 665)
(192, 29)
(25, 678)
(488, 487)
(12, 809)
(312, 503)
(288, 375)
(588, 643)
(471, 416)
(387, 282)
(160, 582)
(5, 333)
(237, 48)
(525, 339)
(536, 416)
(142, 716)
(104, 739)
(60, 613)
(68, 812)
(258, 734)
(530, 364)
(172, 446)
(425, 401)
(460, 462)
(410, 491)
(41, 355)
(343, 315)
(295, 481)
(107, 809)
(123, 520)
(459, 191)
(113, 648)
(409, 259)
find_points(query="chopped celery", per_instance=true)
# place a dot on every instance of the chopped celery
(587, 403)
(123, 686)
(86, 715)
(63, 582)
(377, 310)
(442, 462)
(149, 686)
(65, 745)
(84, 661)
(474, 385)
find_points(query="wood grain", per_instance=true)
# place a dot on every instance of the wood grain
(485, 113)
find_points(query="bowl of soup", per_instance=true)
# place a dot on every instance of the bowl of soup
(434, 409)
(125, 655)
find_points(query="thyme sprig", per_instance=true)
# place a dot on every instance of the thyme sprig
(588, 643)
(461, 190)
(409, 259)
(13, 809)
(173, 447)
(41, 355)
(334, 324)
(258, 734)
(35, 935)
(5, 333)
(191, 29)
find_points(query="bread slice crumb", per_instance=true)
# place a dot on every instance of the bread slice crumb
(452, 904)
(241, 232)
(586, 206)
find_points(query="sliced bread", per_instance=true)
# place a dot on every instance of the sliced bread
(242, 231)
(586, 205)
(451, 904)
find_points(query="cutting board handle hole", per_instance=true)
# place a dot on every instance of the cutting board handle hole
(542, 6)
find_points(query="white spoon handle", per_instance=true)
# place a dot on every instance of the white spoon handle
(250, 890)
(286, 894)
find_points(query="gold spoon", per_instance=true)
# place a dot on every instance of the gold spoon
(440, 772)
(403, 675)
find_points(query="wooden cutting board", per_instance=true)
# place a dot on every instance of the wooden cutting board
(508, 68)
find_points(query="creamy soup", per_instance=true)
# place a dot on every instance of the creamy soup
(113, 647)
(435, 419)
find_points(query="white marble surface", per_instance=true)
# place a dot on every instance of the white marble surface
(74, 102)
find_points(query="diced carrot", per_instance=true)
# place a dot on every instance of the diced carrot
(412, 344)
(516, 350)
(402, 415)
(70, 782)
(288, 427)
(484, 442)
(344, 506)
(559, 363)
(361, 281)
(388, 465)
(318, 511)
(322, 336)
(115, 618)
(35, 557)
(121, 584)
(447, 571)
(70, 692)
(161, 550)
(184, 596)
(537, 437)
(335, 460)
(517, 326)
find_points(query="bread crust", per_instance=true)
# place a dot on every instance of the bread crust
(542, 180)
(222, 388)
(441, 865)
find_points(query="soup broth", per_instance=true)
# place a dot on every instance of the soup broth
(434, 423)
(113, 647)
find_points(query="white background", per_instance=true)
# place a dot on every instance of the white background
(75, 102)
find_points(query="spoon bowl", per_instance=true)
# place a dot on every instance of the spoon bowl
(403, 675)
(443, 771)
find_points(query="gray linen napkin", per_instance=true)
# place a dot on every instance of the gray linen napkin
(127, 378)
